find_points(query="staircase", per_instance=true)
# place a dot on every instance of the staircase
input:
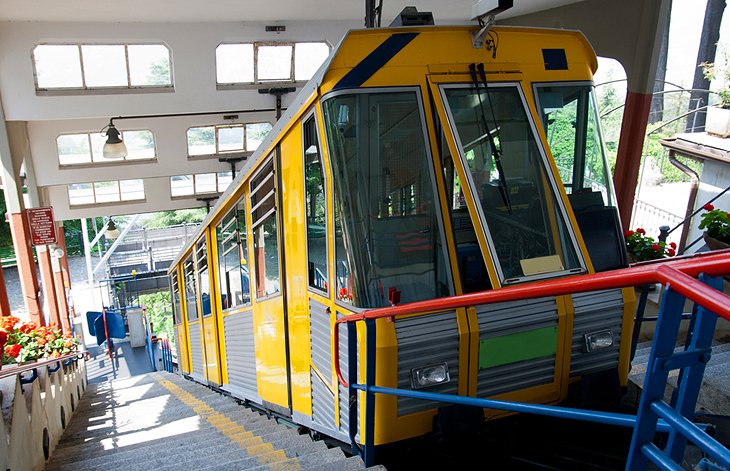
(162, 421)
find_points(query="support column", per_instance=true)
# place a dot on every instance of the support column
(60, 294)
(49, 289)
(628, 157)
(26, 266)
(65, 283)
(4, 302)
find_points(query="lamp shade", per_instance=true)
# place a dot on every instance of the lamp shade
(114, 147)
(111, 230)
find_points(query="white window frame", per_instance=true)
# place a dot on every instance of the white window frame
(92, 163)
(218, 176)
(121, 200)
(245, 153)
(84, 89)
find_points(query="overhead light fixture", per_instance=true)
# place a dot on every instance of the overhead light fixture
(111, 230)
(114, 147)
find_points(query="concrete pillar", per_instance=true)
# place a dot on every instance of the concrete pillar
(26, 266)
(49, 288)
(4, 302)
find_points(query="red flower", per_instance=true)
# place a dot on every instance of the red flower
(41, 341)
(27, 328)
(628, 233)
(671, 252)
(673, 245)
(3, 338)
(656, 247)
(13, 350)
(641, 231)
(708, 207)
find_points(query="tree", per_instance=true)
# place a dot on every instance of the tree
(159, 312)
(174, 218)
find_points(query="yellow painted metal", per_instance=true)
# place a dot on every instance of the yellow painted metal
(627, 329)
(209, 323)
(181, 329)
(215, 293)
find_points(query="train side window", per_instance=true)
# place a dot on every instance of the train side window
(265, 232)
(175, 285)
(316, 208)
(201, 256)
(232, 258)
(191, 304)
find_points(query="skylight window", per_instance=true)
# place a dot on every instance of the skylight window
(254, 63)
(112, 191)
(226, 139)
(87, 148)
(101, 66)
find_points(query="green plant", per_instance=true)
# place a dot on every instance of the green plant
(711, 71)
(716, 223)
(642, 247)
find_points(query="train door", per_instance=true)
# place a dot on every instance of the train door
(207, 308)
(193, 320)
(268, 309)
(181, 337)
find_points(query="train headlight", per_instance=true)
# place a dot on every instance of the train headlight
(598, 340)
(429, 375)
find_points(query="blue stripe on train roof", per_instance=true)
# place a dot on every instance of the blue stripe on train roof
(375, 60)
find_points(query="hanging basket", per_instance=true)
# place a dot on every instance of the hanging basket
(713, 243)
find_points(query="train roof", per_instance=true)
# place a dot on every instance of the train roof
(299, 104)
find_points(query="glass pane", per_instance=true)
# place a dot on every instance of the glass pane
(266, 254)
(224, 179)
(201, 141)
(149, 65)
(385, 191)
(316, 209)
(307, 59)
(524, 221)
(175, 298)
(105, 66)
(57, 66)
(205, 183)
(243, 251)
(106, 192)
(80, 193)
(274, 63)
(230, 138)
(190, 299)
(140, 144)
(255, 135)
(234, 63)
(181, 185)
(73, 149)
(132, 189)
(570, 119)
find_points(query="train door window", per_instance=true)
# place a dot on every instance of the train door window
(316, 208)
(174, 284)
(201, 257)
(265, 231)
(392, 235)
(570, 119)
(233, 266)
(473, 270)
(523, 216)
(191, 305)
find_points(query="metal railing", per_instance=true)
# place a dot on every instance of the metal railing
(676, 274)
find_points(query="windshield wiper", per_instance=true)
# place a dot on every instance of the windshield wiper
(493, 147)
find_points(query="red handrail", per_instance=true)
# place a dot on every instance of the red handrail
(12, 370)
(678, 273)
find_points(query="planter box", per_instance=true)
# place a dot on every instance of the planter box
(718, 121)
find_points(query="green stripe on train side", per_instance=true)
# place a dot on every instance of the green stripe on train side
(521, 346)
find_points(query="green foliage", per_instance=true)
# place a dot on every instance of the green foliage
(174, 218)
(643, 247)
(711, 71)
(159, 313)
(716, 222)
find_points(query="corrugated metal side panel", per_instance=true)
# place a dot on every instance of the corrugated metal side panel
(508, 318)
(323, 403)
(427, 340)
(177, 349)
(196, 351)
(345, 369)
(320, 338)
(241, 352)
(594, 311)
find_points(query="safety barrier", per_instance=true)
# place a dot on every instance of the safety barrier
(653, 414)
(40, 399)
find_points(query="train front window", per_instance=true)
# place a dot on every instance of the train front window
(389, 231)
(570, 119)
(523, 216)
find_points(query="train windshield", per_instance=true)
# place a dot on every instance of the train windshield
(570, 119)
(506, 173)
(390, 238)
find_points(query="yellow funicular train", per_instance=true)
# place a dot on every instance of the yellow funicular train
(420, 162)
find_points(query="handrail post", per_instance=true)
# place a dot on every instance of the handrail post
(109, 343)
(369, 457)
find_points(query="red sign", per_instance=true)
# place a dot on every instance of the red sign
(42, 229)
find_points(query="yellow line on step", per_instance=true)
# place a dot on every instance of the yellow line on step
(252, 444)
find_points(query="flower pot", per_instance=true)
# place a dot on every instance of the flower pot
(718, 121)
(713, 243)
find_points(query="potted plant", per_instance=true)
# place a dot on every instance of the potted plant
(641, 247)
(716, 224)
(718, 115)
